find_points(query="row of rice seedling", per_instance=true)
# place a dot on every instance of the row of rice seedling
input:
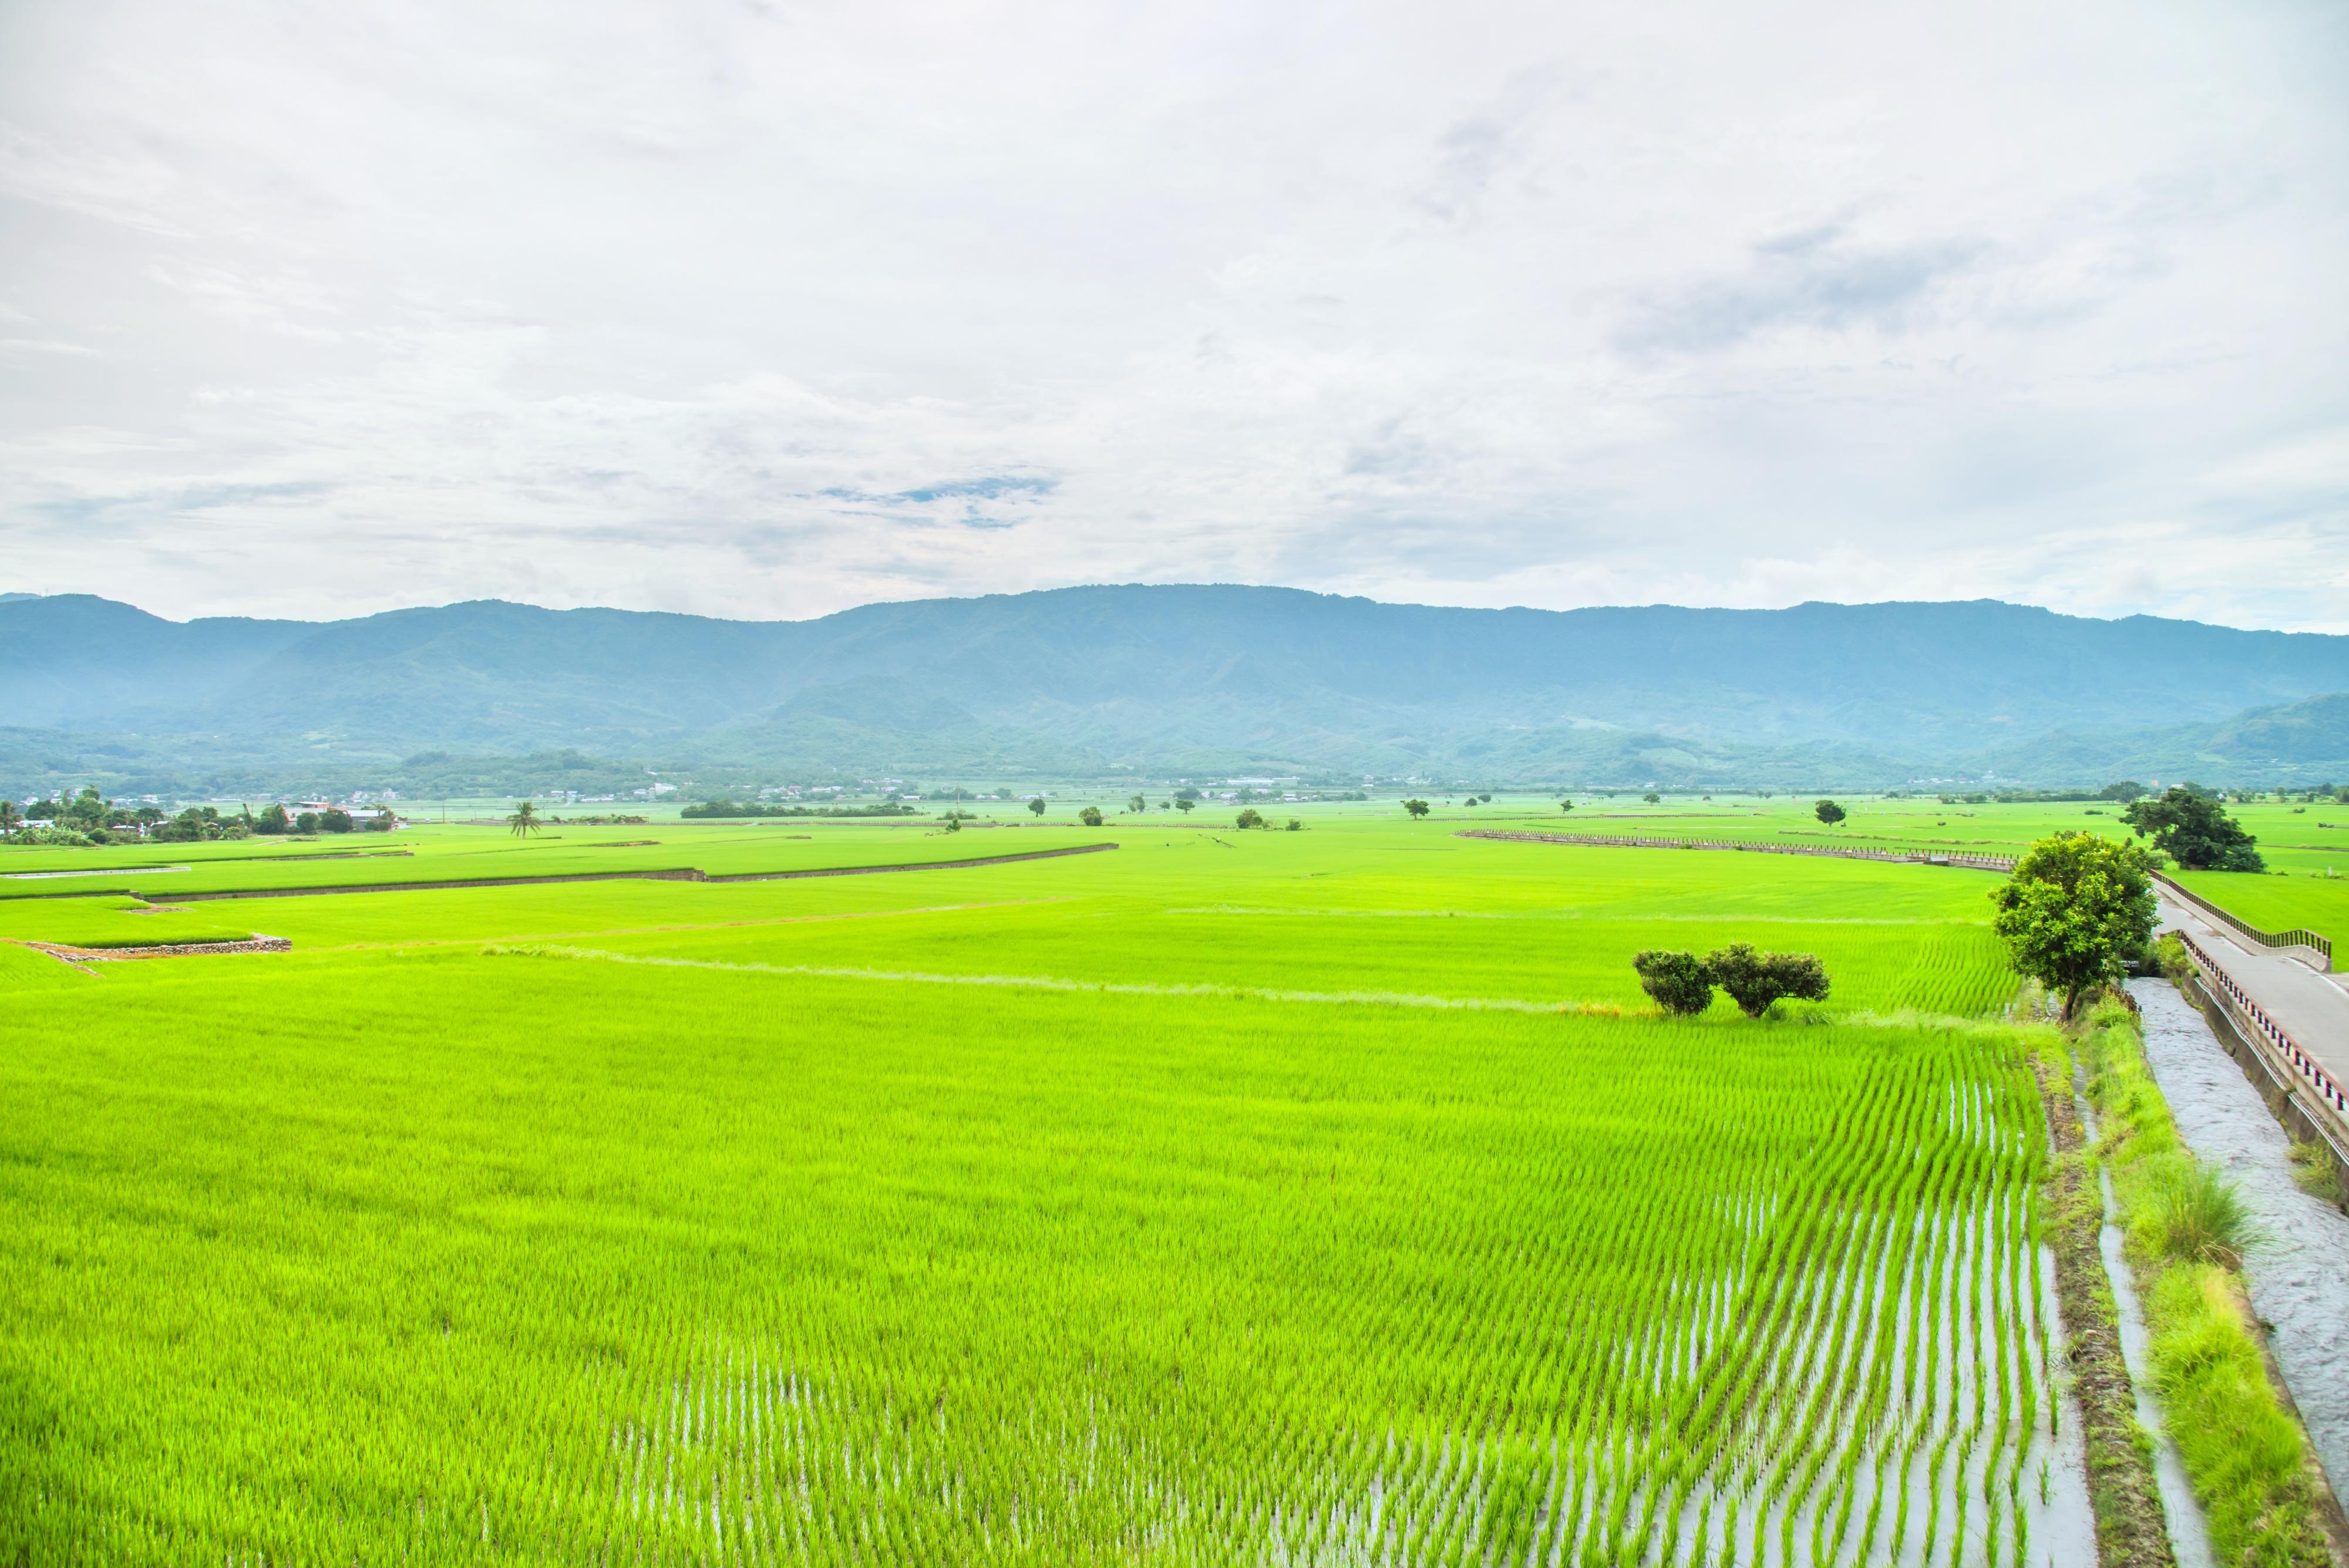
(699, 1266)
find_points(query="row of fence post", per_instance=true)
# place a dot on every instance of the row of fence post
(1895, 857)
(2298, 937)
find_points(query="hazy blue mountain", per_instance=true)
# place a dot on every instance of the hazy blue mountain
(1178, 678)
(2304, 743)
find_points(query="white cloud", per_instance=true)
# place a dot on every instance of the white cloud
(770, 311)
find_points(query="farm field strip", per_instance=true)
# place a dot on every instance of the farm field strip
(856, 1218)
(942, 1273)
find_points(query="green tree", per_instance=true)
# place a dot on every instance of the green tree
(524, 821)
(1185, 802)
(1418, 808)
(1136, 803)
(273, 820)
(1828, 812)
(85, 811)
(1679, 981)
(1091, 816)
(1755, 980)
(1565, 805)
(1249, 818)
(1037, 806)
(2128, 789)
(2077, 908)
(11, 819)
(1296, 824)
(1652, 798)
(306, 823)
(2190, 827)
(954, 821)
(335, 819)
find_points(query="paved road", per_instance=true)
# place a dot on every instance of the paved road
(2312, 1008)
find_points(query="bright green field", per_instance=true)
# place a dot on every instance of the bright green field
(1226, 1197)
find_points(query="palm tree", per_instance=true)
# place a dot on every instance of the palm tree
(525, 822)
(9, 818)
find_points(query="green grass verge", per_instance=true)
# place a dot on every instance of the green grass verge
(2244, 1451)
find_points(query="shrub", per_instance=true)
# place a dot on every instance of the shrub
(1249, 818)
(1091, 816)
(1296, 824)
(2192, 1214)
(335, 819)
(1679, 981)
(61, 836)
(1755, 980)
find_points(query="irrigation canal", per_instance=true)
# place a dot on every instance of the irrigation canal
(2298, 1264)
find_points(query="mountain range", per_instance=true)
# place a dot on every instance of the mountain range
(1162, 682)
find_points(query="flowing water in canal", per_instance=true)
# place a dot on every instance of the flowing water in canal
(2298, 1263)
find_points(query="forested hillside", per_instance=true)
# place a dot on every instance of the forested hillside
(1158, 678)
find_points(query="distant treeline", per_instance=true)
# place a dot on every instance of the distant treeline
(731, 808)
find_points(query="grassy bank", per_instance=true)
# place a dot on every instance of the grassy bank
(2244, 1451)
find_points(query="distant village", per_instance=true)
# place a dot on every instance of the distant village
(89, 819)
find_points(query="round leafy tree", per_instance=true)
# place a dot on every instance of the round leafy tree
(1755, 980)
(2077, 908)
(2190, 827)
(1828, 812)
(1679, 981)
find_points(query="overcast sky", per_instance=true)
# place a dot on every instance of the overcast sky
(767, 309)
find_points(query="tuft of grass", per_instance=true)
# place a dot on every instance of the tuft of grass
(2312, 1169)
(2189, 1213)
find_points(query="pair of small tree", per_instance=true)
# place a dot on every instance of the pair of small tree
(1682, 982)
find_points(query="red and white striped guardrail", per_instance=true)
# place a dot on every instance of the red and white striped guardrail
(2326, 1089)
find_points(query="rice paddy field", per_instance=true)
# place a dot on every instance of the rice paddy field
(1220, 1197)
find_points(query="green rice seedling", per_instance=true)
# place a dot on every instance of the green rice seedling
(1333, 1198)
